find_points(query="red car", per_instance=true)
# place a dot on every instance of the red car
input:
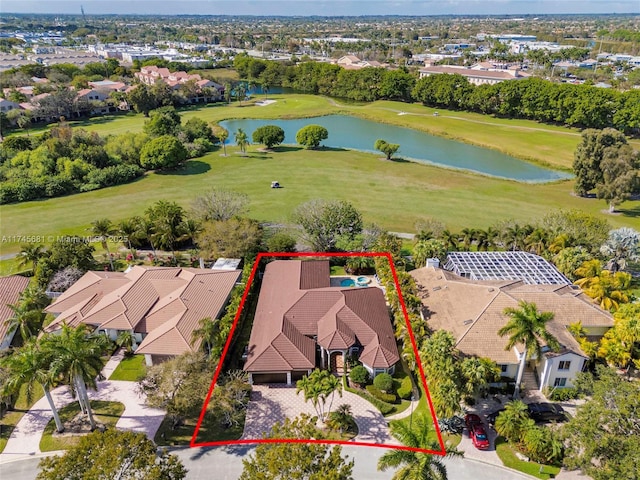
(479, 436)
(472, 419)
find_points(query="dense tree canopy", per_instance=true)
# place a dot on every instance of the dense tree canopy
(113, 454)
(311, 135)
(162, 153)
(324, 223)
(269, 135)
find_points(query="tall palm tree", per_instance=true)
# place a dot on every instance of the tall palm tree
(317, 387)
(241, 91)
(450, 240)
(223, 134)
(242, 140)
(146, 231)
(513, 421)
(527, 326)
(128, 229)
(24, 319)
(30, 254)
(207, 331)
(468, 236)
(103, 229)
(414, 465)
(537, 241)
(29, 365)
(76, 358)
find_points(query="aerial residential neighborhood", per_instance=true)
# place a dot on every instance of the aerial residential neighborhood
(346, 240)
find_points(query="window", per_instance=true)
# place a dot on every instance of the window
(560, 382)
(504, 368)
(564, 365)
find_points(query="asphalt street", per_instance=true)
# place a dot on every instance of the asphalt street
(225, 463)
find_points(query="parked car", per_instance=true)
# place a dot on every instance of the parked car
(491, 417)
(472, 419)
(546, 412)
(479, 436)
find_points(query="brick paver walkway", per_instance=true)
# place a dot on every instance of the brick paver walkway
(273, 403)
(25, 438)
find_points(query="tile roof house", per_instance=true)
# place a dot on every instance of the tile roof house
(475, 76)
(161, 306)
(10, 289)
(151, 74)
(300, 318)
(473, 311)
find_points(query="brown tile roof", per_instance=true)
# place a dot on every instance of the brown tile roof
(10, 289)
(473, 310)
(296, 303)
(165, 303)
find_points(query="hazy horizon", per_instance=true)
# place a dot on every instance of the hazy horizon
(323, 7)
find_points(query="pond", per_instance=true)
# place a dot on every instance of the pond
(359, 134)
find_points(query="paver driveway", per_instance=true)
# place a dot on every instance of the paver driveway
(273, 403)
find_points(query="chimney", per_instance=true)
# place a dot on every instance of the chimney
(433, 262)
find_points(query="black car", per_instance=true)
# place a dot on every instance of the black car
(546, 412)
(491, 417)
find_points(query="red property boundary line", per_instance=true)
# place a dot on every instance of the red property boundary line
(386, 255)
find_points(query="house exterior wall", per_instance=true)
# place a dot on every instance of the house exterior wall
(6, 341)
(509, 370)
(553, 373)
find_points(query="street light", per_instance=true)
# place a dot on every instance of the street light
(413, 396)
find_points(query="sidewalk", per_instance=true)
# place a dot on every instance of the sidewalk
(137, 417)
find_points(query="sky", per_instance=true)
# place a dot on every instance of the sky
(321, 7)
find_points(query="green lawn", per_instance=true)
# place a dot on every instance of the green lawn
(392, 194)
(130, 368)
(106, 413)
(11, 418)
(210, 431)
(509, 459)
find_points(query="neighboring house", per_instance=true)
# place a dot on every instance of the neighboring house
(10, 289)
(152, 74)
(475, 76)
(473, 311)
(8, 105)
(108, 85)
(351, 62)
(161, 306)
(301, 323)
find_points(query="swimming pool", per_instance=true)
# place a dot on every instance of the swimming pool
(347, 282)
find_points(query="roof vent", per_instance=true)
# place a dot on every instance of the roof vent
(467, 322)
(435, 289)
(491, 289)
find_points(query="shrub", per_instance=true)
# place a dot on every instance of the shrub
(359, 375)
(564, 394)
(311, 135)
(269, 135)
(406, 388)
(164, 152)
(380, 395)
(114, 175)
(383, 382)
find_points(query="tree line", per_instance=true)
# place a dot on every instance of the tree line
(582, 106)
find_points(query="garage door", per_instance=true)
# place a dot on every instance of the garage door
(269, 378)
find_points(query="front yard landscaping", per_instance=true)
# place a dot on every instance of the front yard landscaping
(11, 418)
(106, 414)
(131, 369)
(507, 454)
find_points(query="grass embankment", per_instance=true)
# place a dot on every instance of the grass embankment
(11, 418)
(106, 413)
(509, 459)
(130, 369)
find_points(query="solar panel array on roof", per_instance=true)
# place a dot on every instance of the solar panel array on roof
(524, 266)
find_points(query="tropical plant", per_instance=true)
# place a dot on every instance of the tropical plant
(30, 254)
(527, 325)
(513, 422)
(241, 140)
(311, 135)
(477, 373)
(24, 318)
(319, 386)
(623, 245)
(208, 332)
(359, 375)
(29, 365)
(126, 339)
(389, 149)
(103, 229)
(269, 135)
(341, 418)
(415, 465)
(76, 358)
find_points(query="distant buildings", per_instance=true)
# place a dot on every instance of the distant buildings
(478, 74)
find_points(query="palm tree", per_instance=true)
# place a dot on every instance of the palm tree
(450, 240)
(207, 331)
(527, 326)
(241, 140)
(126, 339)
(536, 242)
(317, 387)
(608, 289)
(29, 365)
(468, 236)
(415, 465)
(76, 358)
(103, 229)
(25, 319)
(223, 135)
(241, 91)
(341, 418)
(30, 254)
(478, 373)
(513, 421)
(128, 229)
(146, 230)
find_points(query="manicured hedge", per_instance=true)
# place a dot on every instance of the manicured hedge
(380, 395)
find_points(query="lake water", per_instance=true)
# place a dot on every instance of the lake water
(359, 134)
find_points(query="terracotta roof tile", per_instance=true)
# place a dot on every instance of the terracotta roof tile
(10, 289)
